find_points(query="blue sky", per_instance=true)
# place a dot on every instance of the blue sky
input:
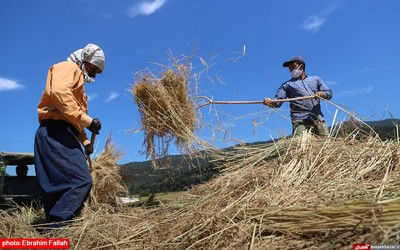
(351, 45)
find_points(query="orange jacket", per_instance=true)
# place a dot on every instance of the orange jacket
(64, 98)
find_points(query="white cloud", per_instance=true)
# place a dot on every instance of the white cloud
(92, 97)
(331, 83)
(366, 70)
(313, 23)
(367, 90)
(8, 84)
(112, 96)
(354, 92)
(146, 8)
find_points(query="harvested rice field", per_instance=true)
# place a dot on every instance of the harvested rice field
(296, 193)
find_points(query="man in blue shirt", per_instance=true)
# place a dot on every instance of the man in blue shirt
(306, 114)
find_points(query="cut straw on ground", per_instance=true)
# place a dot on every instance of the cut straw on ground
(302, 192)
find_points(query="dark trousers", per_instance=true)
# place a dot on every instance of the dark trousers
(62, 170)
(316, 127)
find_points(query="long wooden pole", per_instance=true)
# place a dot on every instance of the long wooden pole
(236, 102)
(256, 102)
(260, 102)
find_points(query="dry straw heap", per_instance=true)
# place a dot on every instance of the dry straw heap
(301, 192)
(167, 110)
(107, 181)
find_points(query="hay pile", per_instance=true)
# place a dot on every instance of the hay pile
(167, 110)
(107, 183)
(295, 193)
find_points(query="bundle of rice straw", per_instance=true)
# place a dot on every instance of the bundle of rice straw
(167, 111)
(107, 183)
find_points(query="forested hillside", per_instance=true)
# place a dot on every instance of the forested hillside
(181, 173)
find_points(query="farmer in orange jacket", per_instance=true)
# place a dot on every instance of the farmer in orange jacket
(60, 161)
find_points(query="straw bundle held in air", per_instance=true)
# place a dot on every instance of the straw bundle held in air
(166, 109)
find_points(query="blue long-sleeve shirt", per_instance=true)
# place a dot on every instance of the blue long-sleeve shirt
(309, 109)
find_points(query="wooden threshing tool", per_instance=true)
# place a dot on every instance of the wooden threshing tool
(209, 101)
(92, 140)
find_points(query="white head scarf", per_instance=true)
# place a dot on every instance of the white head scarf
(91, 53)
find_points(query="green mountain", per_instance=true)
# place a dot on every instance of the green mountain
(181, 172)
(386, 129)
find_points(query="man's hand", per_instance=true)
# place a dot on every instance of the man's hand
(95, 126)
(320, 94)
(88, 149)
(268, 101)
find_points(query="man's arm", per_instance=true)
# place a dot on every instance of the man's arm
(280, 94)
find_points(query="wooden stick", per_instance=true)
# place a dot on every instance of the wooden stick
(295, 99)
(92, 140)
(254, 102)
(236, 102)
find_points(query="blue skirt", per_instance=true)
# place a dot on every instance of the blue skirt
(61, 169)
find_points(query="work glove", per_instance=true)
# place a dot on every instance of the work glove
(95, 126)
(88, 149)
